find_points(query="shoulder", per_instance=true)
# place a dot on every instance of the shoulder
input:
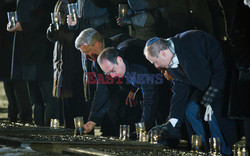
(131, 43)
(191, 33)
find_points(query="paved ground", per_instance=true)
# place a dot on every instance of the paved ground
(3, 102)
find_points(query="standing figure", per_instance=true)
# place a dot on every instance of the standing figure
(32, 59)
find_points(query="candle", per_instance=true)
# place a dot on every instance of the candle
(155, 138)
(243, 153)
(239, 151)
(124, 135)
(123, 12)
(196, 143)
(13, 18)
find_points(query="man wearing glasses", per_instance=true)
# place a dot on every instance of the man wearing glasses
(108, 98)
(127, 61)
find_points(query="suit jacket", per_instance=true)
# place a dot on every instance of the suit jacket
(138, 72)
(107, 96)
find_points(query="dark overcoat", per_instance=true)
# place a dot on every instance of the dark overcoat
(5, 40)
(141, 74)
(32, 57)
(200, 66)
(66, 58)
(107, 97)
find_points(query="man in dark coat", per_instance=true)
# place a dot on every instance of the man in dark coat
(68, 74)
(240, 86)
(127, 61)
(194, 60)
(94, 14)
(107, 97)
(5, 62)
(32, 57)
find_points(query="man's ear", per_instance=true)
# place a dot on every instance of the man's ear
(119, 59)
(98, 44)
(162, 52)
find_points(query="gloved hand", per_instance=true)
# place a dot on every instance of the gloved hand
(168, 134)
(207, 100)
(55, 33)
(124, 20)
(208, 97)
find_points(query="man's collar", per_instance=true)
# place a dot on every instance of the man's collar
(174, 61)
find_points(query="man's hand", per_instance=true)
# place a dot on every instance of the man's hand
(168, 135)
(70, 21)
(89, 126)
(17, 27)
(124, 20)
(208, 97)
(207, 100)
(131, 99)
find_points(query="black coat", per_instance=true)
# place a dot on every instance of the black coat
(206, 15)
(200, 66)
(240, 85)
(101, 19)
(107, 97)
(138, 70)
(32, 51)
(66, 59)
(5, 40)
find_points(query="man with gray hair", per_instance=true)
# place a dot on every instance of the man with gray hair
(107, 97)
(247, 2)
(194, 60)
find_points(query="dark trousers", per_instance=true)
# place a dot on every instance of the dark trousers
(46, 107)
(19, 101)
(74, 107)
(195, 119)
(247, 132)
(109, 128)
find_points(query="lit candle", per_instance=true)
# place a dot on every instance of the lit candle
(56, 19)
(79, 124)
(155, 138)
(239, 151)
(243, 151)
(124, 135)
(13, 18)
(123, 12)
(196, 143)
